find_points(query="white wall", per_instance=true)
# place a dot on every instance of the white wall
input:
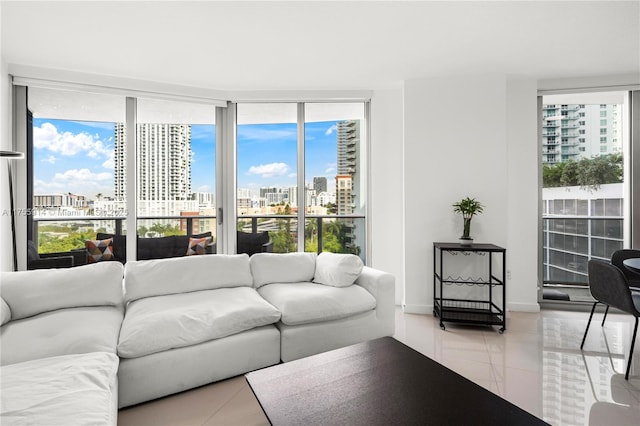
(387, 186)
(470, 136)
(523, 212)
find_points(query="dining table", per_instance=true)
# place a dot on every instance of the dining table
(632, 264)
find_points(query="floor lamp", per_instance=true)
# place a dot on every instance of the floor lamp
(11, 155)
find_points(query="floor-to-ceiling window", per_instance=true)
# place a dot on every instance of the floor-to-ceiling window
(267, 175)
(335, 177)
(79, 176)
(175, 168)
(302, 174)
(72, 162)
(585, 194)
(105, 163)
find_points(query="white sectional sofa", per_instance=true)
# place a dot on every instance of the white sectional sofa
(327, 301)
(179, 323)
(58, 343)
(191, 321)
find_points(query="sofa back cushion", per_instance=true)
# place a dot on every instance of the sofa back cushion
(151, 248)
(147, 278)
(30, 293)
(337, 269)
(251, 243)
(157, 248)
(268, 268)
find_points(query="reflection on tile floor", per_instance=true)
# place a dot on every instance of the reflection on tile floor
(536, 364)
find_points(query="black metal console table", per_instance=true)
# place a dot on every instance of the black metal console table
(480, 311)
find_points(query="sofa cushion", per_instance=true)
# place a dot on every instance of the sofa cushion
(5, 312)
(185, 274)
(99, 250)
(161, 323)
(270, 268)
(337, 270)
(63, 390)
(61, 332)
(32, 292)
(157, 248)
(303, 303)
(251, 243)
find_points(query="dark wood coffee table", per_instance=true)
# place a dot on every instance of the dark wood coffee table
(381, 382)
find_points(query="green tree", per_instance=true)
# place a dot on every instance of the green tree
(552, 175)
(600, 170)
(588, 173)
(569, 175)
(332, 208)
(142, 230)
(283, 239)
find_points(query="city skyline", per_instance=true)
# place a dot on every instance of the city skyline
(78, 156)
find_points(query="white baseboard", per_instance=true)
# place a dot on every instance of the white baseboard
(523, 307)
(417, 309)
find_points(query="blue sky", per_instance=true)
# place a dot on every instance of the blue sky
(77, 157)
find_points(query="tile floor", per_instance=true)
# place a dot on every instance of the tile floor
(536, 364)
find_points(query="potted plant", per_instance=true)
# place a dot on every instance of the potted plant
(467, 207)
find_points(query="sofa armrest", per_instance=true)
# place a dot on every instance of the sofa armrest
(382, 286)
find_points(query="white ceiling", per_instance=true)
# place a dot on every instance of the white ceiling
(322, 45)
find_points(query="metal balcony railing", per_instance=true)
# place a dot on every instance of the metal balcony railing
(570, 241)
(257, 223)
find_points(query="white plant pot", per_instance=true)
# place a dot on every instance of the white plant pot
(466, 241)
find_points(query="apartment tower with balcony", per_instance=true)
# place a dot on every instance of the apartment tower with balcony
(349, 171)
(572, 132)
(163, 168)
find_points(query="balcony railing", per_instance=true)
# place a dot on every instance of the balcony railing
(256, 223)
(569, 242)
(112, 224)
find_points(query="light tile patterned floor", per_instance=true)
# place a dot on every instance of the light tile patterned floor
(536, 364)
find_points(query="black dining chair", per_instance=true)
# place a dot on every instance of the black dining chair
(608, 285)
(619, 256)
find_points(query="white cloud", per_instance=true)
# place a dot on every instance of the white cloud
(76, 181)
(68, 144)
(331, 130)
(261, 134)
(109, 163)
(331, 168)
(269, 170)
(50, 159)
(85, 175)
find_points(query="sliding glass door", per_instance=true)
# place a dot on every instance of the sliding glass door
(585, 194)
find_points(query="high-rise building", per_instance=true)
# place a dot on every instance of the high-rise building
(344, 194)
(320, 184)
(348, 178)
(163, 168)
(348, 133)
(348, 143)
(572, 132)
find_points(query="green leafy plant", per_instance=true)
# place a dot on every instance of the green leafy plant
(467, 207)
